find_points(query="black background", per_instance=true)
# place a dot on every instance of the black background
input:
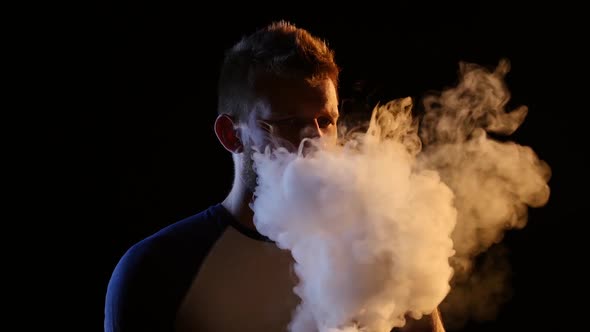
(153, 159)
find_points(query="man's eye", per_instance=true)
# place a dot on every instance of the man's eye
(324, 122)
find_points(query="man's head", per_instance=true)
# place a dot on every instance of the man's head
(280, 82)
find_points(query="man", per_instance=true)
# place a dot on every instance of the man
(213, 271)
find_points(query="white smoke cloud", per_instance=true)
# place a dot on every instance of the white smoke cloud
(382, 224)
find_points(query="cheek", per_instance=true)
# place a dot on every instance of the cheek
(285, 137)
(287, 133)
(253, 137)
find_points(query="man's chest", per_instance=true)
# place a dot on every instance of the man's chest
(243, 285)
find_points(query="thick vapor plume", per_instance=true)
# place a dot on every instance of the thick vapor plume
(369, 233)
(385, 222)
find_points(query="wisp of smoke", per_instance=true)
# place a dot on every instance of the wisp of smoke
(494, 182)
(380, 223)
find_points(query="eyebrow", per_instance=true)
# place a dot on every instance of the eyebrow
(331, 113)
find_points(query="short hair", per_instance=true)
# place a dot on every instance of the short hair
(280, 49)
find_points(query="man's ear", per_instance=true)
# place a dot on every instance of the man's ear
(227, 133)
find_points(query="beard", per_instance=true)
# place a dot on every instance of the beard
(248, 171)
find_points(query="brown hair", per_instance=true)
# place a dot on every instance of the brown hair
(281, 50)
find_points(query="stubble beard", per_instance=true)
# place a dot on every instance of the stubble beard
(249, 175)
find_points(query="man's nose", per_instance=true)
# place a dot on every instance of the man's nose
(311, 130)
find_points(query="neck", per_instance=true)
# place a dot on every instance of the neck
(237, 203)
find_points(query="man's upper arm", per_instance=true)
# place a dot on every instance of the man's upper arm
(137, 299)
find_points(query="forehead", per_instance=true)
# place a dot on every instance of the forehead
(297, 97)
